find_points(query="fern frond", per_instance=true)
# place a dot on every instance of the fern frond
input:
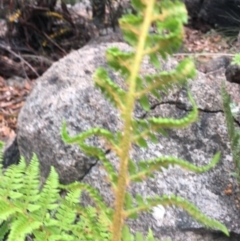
(120, 61)
(165, 81)
(127, 235)
(92, 150)
(93, 193)
(4, 229)
(228, 114)
(160, 123)
(100, 230)
(147, 167)
(22, 226)
(10, 186)
(49, 194)
(233, 133)
(66, 213)
(88, 226)
(31, 184)
(111, 91)
(163, 16)
(7, 210)
(11, 182)
(145, 128)
(79, 139)
(173, 200)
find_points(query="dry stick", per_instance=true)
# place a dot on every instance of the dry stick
(40, 58)
(54, 43)
(6, 104)
(23, 69)
(44, 35)
(8, 48)
(12, 114)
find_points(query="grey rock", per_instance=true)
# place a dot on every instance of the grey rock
(66, 91)
(11, 154)
(217, 63)
(16, 81)
(233, 73)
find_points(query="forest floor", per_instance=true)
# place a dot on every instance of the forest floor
(202, 46)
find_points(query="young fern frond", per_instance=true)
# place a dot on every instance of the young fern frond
(146, 168)
(92, 150)
(80, 139)
(166, 81)
(233, 133)
(112, 91)
(165, 200)
(228, 114)
(145, 128)
(84, 135)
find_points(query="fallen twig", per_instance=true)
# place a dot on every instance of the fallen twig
(8, 48)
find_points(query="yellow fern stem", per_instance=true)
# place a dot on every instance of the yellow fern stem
(126, 140)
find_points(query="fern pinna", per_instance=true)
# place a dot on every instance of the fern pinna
(233, 132)
(168, 18)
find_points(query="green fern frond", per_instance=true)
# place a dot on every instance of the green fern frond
(111, 91)
(92, 150)
(66, 211)
(128, 236)
(49, 194)
(145, 128)
(80, 139)
(236, 59)
(22, 226)
(6, 210)
(171, 26)
(95, 227)
(165, 200)
(147, 167)
(228, 114)
(93, 193)
(31, 184)
(120, 61)
(46, 215)
(4, 229)
(165, 81)
(11, 183)
(84, 135)
(233, 133)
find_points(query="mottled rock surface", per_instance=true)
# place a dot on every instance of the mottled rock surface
(66, 91)
(233, 73)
